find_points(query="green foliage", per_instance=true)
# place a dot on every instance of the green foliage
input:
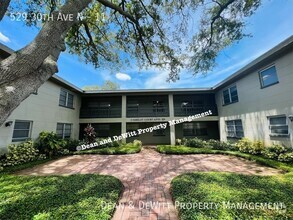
(58, 197)
(71, 144)
(244, 145)
(107, 85)
(20, 154)
(221, 145)
(49, 144)
(216, 188)
(274, 151)
(129, 148)
(286, 157)
(137, 143)
(196, 142)
(153, 32)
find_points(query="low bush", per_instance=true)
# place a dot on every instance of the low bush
(48, 143)
(286, 157)
(137, 143)
(274, 151)
(252, 147)
(19, 154)
(221, 145)
(71, 144)
(196, 142)
(244, 145)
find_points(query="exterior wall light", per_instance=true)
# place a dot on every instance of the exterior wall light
(8, 124)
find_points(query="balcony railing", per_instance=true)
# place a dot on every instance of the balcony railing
(160, 111)
(102, 112)
(193, 110)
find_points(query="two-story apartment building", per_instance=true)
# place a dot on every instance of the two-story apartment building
(255, 102)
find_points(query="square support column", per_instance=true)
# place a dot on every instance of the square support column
(171, 112)
(123, 117)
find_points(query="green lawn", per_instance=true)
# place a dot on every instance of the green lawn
(124, 149)
(215, 190)
(168, 149)
(58, 197)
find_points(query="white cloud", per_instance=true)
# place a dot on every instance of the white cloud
(4, 38)
(123, 76)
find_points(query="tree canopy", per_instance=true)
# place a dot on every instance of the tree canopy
(168, 34)
(107, 85)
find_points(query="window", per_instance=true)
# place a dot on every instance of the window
(230, 95)
(63, 130)
(102, 130)
(234, 129)
(268, 77)
(21, 131)
(66, 99)
(278, 126)
(195, 129)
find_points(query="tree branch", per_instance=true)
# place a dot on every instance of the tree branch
(217, 16)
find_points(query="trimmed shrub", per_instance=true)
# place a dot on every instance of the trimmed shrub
(257, 148)
(220, 145)
(286, 157)
(21, 153)
(196, 142)
(274, 151)
(137, 143)
(71, 144)
(48, 143)
(244, 145)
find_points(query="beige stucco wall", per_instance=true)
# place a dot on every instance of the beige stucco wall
(44, 110)
(256, 104)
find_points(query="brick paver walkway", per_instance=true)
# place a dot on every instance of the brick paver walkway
(147, 176)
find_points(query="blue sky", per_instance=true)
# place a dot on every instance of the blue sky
(271, 24)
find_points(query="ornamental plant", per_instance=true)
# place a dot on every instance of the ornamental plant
(90, 134)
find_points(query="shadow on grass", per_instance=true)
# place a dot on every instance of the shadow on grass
(225, 188)
(58, 197)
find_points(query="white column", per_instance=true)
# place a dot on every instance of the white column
(123, 117)
(171, 112)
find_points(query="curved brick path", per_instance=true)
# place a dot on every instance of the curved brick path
(147, 176)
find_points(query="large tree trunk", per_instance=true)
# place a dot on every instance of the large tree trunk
(3, 7)
(26, 70)
(15, 91)
(32, 56)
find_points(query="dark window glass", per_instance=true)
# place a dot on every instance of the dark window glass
(21, 131)
(269, 76)
(234, 129)
(278, 125)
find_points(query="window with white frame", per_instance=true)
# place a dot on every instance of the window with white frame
(66, 98)
(21, 130)
(268, 77)
(278, 125)
(234, 129)
(63, 130)
(230, 95)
